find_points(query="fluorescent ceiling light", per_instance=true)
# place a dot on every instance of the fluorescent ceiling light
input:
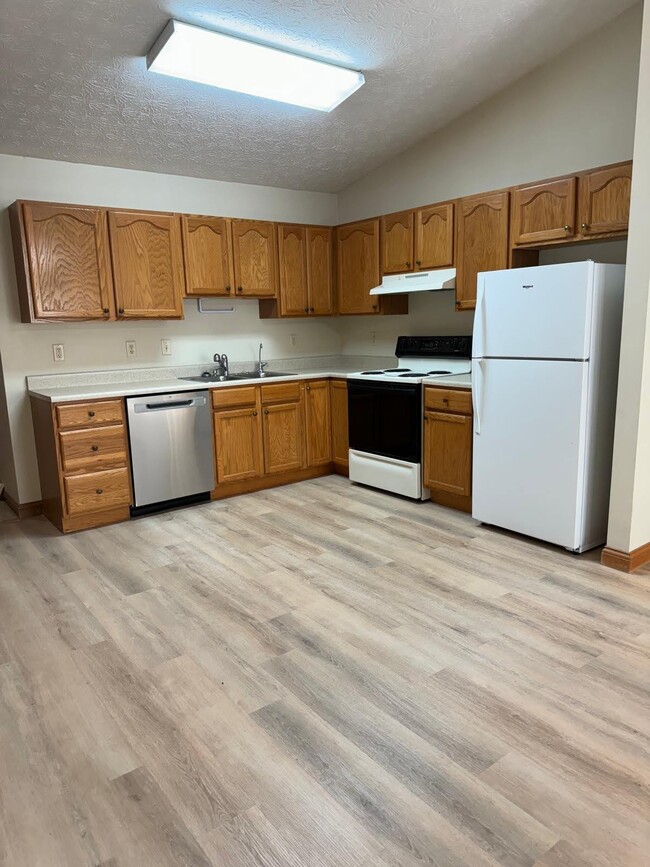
(185, 51)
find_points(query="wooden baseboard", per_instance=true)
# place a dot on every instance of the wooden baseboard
(262, 483)
(341, 468)
(624, 561)
(452, 501)
(24, 510)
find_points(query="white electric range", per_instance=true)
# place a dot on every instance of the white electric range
(386, 414)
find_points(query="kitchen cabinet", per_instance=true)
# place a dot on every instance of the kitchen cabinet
(83, 461)
(238, 439)
(339, 414)
(434, 236)
(282, 422)
(254, 258)
(207, 253)
(358, 271)
(318, 437)
(543, 212)
(147, 259)
(482, 242)
(397, 243)
(604, 201)
(62, 262)
(448, 446)
(305, 270)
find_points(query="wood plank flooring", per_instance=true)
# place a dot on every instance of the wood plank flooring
(319, 676)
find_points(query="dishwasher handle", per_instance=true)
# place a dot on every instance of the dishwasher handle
(172, 404)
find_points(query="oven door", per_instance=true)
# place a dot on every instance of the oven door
(385, 418)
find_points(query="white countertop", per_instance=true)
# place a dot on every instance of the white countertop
(460, 380)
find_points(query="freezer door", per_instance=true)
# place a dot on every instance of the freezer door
(529, 447)
(542, 312)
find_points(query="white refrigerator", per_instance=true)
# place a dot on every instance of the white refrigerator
(544, 375)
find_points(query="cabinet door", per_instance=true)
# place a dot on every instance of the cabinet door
(283, 434)
(208, 256)
(397, 243)
(319, 271)
(339, 410)
(68, 261)
(482, 242)
(434, 237)
(238, 442)
(357, 267)
(544, 212)
(604, 200)
(147, 264)
(318, 434)
(254, 258)
(448, 453)
(292, 257)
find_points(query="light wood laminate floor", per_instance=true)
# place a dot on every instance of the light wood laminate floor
(318, 675)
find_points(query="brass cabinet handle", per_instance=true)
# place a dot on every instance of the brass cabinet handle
(95, 448)
(99, 491)
(91, 413)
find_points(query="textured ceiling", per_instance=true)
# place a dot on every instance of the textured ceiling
(74, 85)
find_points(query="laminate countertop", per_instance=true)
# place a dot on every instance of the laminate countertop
(97, 391)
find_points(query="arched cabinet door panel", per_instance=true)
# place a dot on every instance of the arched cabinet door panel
(207, 253)
(482, 242)
(254, 258)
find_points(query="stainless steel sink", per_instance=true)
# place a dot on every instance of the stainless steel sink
(255, 374)
(210, 377)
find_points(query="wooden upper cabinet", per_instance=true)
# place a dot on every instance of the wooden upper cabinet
(604, 200)
(320, 271)
(434, 237)
(482, 242)
(357, 266)
(147, 261)
(292, 258)
(318, 426)
(397, 243)
(254, 258)
(207, 252)
(62, 259)
(544, 212)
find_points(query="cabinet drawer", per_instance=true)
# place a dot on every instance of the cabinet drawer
(96, 492)
(93, 449)
(448, 400)
(90, 414)
(224, 398)
(280, 392)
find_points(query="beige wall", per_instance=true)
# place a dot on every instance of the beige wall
(575, 112)
(27, 349)
(629, 516)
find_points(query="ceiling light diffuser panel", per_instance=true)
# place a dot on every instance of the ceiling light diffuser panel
(196, 54)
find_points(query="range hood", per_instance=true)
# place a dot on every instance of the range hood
(418, 281)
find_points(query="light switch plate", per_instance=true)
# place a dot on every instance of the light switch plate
(166, 346)
(131, 351)
(58, 352)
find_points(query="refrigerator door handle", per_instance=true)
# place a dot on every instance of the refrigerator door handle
(477, 393)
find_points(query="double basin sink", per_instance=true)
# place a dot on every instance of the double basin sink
(250, 374)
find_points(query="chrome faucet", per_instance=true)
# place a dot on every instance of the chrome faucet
(261, 364)
(222, 364)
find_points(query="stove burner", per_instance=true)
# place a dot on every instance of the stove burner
(411, 375)
(437, 372)
(396, 369)
(371, 372)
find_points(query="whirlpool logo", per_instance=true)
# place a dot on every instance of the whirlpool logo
(527, 285)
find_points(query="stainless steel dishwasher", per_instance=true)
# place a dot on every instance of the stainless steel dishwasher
(171, 449)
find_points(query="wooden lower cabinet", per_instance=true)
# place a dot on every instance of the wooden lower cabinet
(238, 440)
(339, 412)
(448, 446)
(318, 440)
(283, 437)
(83, 461)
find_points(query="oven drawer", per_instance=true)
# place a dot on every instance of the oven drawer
(448, 400)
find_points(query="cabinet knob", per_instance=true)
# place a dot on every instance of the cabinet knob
(308, 387)
(567, 228)
(266, 412)
(94, 448)
(584, 226)
(239, 289)
(374, 306)
(228, 289)
(306, 309)
(311, 309)
(91, 413)
(99, 491)
(255, 413)
(106, 311)
(120, 311)
(418, 262)
(408, 264)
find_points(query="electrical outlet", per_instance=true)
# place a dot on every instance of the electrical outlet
(292, 339)
(57, 352)
(131, 351)
(373, 337)
(166, 346)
